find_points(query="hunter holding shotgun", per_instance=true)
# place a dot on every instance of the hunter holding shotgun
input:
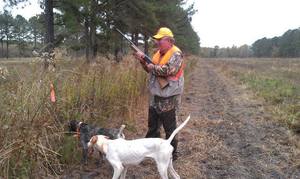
(165, 85)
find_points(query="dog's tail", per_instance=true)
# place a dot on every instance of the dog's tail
(120, 134)
(178, 129)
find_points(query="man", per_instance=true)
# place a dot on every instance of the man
(167, 67)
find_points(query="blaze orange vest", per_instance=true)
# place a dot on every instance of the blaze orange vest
(162, 60)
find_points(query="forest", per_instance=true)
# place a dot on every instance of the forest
(286, 46)
(86, 27)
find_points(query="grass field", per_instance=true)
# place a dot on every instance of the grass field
(34, 139)
(277, 81)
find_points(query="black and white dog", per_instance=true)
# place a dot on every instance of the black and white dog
(85, 132)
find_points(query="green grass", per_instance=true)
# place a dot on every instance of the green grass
(282, 95)
(276, 80)
(275, 91)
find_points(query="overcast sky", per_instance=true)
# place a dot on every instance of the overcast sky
(237, 22)
(229, 22)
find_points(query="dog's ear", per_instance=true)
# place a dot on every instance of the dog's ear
(72, 125)
(94, 139)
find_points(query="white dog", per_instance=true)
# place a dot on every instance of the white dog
(120, 152)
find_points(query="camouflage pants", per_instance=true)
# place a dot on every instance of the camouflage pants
(161, 104)
(163, 112)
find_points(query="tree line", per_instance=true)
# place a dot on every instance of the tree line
(228, 52)
(23, 34)
(287, 45)
(87, 26)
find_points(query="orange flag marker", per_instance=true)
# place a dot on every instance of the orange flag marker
(52, 94)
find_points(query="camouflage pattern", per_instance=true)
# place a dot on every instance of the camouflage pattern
(171, 68)
(174, 87)
(161, 104)
(164, 100)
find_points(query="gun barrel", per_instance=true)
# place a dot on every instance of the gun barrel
(162, 81)
(126, 38)
(146, 58)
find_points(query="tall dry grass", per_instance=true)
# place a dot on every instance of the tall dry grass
(33, 141)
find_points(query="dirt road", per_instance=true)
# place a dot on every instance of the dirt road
(230, 135)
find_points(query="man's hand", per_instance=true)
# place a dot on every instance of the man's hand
(150, 67)
(140, 56)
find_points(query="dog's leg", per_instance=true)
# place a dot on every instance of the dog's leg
(123, 175)
(118, 169)
(162, 165)
(162, 160)
(163, 170)
(172, 171)
(84, 152)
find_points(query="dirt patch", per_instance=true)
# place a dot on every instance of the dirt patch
(229, 136)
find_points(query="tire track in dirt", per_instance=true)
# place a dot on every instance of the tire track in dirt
(229, 135)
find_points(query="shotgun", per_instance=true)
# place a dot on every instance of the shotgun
(163, 82)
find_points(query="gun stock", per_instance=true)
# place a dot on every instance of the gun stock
(163, 82)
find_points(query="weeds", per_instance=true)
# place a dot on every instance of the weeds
(33, 131)
(277, 87)
(32, 136)
(275, 91)
(190, 65)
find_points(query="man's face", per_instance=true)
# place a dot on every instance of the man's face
(164, 44)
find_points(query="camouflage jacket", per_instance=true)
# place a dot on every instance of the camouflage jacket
(169, 97)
